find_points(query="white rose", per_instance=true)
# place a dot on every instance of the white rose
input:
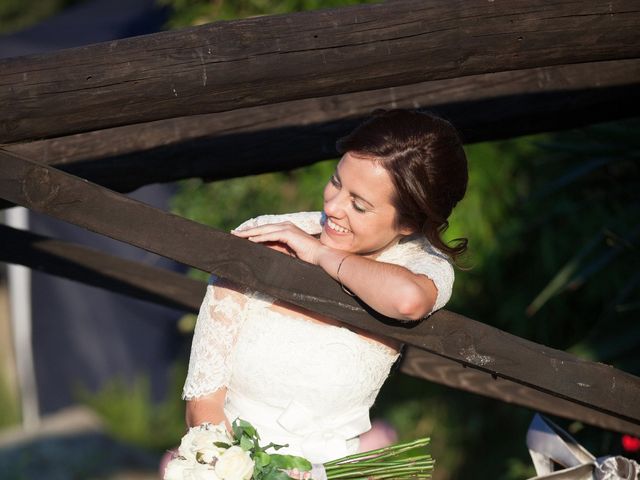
(220, 432)
(175, 469)
(201, 472)
(201, 437)
(207, 454)
(235, 464)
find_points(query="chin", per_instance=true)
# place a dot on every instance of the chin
(327, 241)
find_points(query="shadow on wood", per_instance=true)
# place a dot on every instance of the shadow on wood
(270, 59)
(49, 191)
(168, 288)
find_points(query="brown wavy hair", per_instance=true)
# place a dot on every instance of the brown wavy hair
(424, 156)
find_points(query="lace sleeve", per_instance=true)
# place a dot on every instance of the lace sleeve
(219, 321)
(307, 221)
(419, 256)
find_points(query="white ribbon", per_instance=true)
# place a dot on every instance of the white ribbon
(318, 472)
(548, 443)
(317, 438)
(324, 438)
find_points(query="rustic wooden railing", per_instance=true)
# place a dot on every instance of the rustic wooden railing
(167, 288)
(521, 67)
(292, 134)
(256, 61)
(506, 366)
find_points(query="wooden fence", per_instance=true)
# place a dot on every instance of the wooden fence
(108, 111)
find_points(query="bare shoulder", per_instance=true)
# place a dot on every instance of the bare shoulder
(227, 289)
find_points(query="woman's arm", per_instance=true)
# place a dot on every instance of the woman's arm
(217, 328)
(389, 289)
(209, 408)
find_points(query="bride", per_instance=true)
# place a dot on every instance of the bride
(306, 380)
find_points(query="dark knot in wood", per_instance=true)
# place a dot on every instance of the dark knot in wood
(38, 187)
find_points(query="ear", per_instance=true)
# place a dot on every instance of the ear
(405, 231)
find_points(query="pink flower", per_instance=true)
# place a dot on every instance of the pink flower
(631, 444)
(382, 434)
(166, 458)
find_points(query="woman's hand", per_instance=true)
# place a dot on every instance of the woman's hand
(285, 237)
(298, 475)
(209, 408)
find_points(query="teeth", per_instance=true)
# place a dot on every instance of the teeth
(337, 228)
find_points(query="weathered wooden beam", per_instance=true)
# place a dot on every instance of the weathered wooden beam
(63, 196)
(428, 366)
(293, 134)
(91, 267)
(163, 287)
(256, 61)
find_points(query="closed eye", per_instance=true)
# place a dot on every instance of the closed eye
(357, 207)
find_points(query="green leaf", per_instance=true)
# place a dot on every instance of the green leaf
(261, 459)
(222, 445)
(289, 462)
(275, 446)
(276, 475)
(243, 427)
(246, 443)
(563, 276)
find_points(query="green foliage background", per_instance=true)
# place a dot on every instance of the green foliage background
(19, 14)
(553, 255)
(552, 222)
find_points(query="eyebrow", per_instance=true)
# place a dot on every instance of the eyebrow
(360, 197)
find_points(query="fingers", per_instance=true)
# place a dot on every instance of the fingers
(298, 475)
(270, 227)
(272, 232)
(281, 247)
(277, 236)
(301, 244)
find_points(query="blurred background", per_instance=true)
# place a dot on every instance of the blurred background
(552, 222)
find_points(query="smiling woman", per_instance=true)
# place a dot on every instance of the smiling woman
(305, 380)
(358, 204)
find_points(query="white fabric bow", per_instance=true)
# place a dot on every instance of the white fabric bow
(326, 439)
(548, 443)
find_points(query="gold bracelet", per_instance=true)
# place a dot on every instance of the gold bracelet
(345, 289)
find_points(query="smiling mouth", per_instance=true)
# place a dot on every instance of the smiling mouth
(337, 227)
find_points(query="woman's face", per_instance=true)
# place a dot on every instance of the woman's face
(360, 217)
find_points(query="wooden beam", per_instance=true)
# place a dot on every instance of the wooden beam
(91, 267)
(163, 287)
(63, 196)
(428, 366)
(293, 134)
(270, 59)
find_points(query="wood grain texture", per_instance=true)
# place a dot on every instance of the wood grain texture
(63, 196)
(428, 366)
(229, 65)
(140, 281)
(91, 267)
(293, 134)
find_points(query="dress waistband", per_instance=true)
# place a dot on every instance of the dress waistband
(317, 438)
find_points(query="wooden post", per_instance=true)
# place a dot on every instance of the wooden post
(293, 134)
(141, 281)
(91, 267)
(229, 65)
(435, 368)
(49, 191)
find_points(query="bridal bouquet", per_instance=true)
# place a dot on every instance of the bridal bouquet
(209, 452)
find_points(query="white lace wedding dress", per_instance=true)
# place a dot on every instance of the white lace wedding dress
(299, 382)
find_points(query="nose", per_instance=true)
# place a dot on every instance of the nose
(333, 202)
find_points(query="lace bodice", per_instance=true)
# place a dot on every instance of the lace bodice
(299, 382)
